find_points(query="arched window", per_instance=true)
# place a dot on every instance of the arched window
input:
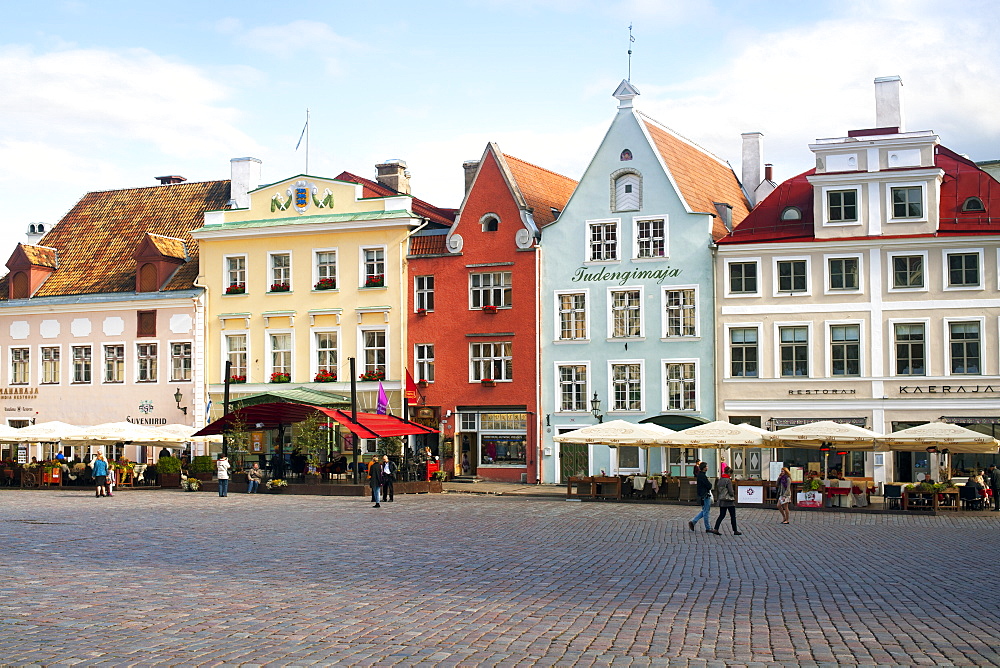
(973, 204)
(625, 156)
(791, 213)
(147, 278)
(20, 286)
(626, 190)
(490, 222)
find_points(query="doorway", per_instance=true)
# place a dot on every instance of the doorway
(470, 453)
(573, 460)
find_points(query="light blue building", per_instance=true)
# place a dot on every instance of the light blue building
(628, 297)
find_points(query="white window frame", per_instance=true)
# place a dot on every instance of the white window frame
(557, 309)
(314, 351)
(857, 188)
(946, 323)
(362, 350)
(41, 365)
(506, 290)
(225, 271)
(26, 363)
(422, 292)
(271, 268)
(245, 333)
(362, 269)
(421, 362)
(665, 393)
(269, 357)
(889, 208)
(72, 364)
(727, 372)
(609, 297)
(946, 271)
(136, 365)
(170, 355)
(891, 357)
(827, 276)
(104, 360)
(557, 398)
(828, 326)
(472, 375)
(618, 176)
(810, 348)
(611, 387)
(664, 336)
(617, 222)
(336, 267)
(635, 237)
(890, 282)
(775, 284)
(728, 285)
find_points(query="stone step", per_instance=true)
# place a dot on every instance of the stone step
(468, 479)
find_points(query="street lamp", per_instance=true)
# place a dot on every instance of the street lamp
(595, 408)
(177, 397)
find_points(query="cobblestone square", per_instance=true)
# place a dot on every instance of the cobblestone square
(164, 578)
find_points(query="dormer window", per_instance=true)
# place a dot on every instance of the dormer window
(973, 204)
(20, 285)
(626, 190)
(490, 222)
(157, 258)
(791, 213)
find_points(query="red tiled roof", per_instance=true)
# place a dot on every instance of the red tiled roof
(420, 207)
(542, 189)
(702, 178)
(764, 223)
(428, 244)
(168, 246)
(40, 256)
(96, 240)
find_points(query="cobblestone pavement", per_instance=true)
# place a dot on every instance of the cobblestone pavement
(164, 578)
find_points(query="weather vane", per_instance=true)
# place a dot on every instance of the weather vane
(630, 40)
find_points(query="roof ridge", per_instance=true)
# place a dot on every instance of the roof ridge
(691, 142)
(159, 185)
(531, 164)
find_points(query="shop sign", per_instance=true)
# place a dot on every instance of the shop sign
(809, 499)
(145, 420)
(624, 277)
(257, 442)
(826, 391)
(19, 393)
(749, 494)
(949, 389)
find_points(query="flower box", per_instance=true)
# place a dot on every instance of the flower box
(375, 281)
(279, 377)
(422, 383)
(488, 382)
(421, 311)
(324, 376)
(372, 376)
(280, 287)
(489, 308)
(325, 284)
(236, 380)
(236, 289)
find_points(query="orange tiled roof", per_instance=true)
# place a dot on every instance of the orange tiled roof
(40, 256)
(168, 246)
(541, 188)
(702, 178)
(96, 240)
(428, 244)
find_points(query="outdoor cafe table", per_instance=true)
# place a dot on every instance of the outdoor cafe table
(920, 500)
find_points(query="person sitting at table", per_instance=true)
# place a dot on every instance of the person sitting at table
(978, 482)
(926, 480)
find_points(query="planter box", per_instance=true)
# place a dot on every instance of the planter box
(170, 479)
(203, 477)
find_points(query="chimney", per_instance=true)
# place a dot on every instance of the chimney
(753, 162)
(470, 167)
(245, 177)
(393, 174)
(768, 172)
(167, 180)
(889, 103)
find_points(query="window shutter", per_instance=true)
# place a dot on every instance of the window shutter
(147, 278)
(20, 286)
(146, 323)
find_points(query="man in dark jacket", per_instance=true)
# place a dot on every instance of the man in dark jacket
(704, 496)
(995, 486)
(388, 477)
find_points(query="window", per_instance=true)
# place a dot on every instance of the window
(374, 351)
(908, 271)
(423, 292)
(492, 361)
(626, 387)
(842, 206)
(236, 271)
(423, 356)
(680, 386)
(573, 316)
(650, 238)
(470, 421)
(326, 270)
(281, 353)
(573, 387)
(681, 320)
(743, 277)
(963, 270)
(148, 278)
(180, 361)
(493, 289)
(603, 242)
(627, 192)
(964, 343)
(844, 273)
(490, 223)
(281, 272)
(626, 314)
(791, 275)
(81, 364)
(845, 350)
(236, 354)
(374, 267)
(145, 358)
(743, 352)
(114, 364)
(326, 353)
(910, 355)
(146, 323)
(50, 365)
(794, 344)
(20, 366)
(907, 202)
(20, 285)
(791, 213)
(973, 204)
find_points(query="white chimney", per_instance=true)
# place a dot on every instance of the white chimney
(753, 162)
(889, 102)
(245, 177)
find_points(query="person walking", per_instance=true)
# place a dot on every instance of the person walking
(254, 476)
(222, 472)
(388, 477)
(704, 496)
(995, 486)
(727, 501)
(375, 477)
(784, 493)
(372, 465)
(100, 473)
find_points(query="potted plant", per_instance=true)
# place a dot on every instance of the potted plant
(488, 382)
(280, 377)
(325, 284)
(236, 380)
(422, 382)
(276, 486)
(191, 484)
(324, 376)
(372, 375)
(236, 289)
(489, 308)
(280, 287)
(168, 470)
(421, 311)
(375, 281)
(201, 468)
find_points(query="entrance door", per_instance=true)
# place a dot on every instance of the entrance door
(904, 466)
(573, 460)
(470, 452)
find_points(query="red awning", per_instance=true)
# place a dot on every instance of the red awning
(269, 416)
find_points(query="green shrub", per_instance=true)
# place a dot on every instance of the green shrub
(202, 464)
(168, 465)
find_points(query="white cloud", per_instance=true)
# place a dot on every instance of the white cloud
(300, 38)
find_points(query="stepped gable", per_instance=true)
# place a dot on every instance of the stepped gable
(420, 207)
(96, 240)
(702, 178)
(541, 188)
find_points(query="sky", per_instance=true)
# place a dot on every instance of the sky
(98, 95)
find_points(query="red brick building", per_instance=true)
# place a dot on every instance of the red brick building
(474, 323)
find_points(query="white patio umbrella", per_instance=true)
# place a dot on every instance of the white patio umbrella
(826, 433)
(181, 433)
(940, 434)
(5, 431)
(117, 432)
(618, 432)
(45, 431)
(720, 434)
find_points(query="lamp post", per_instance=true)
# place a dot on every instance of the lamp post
(595, 408)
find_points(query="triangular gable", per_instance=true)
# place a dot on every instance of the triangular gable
(28, 255)
(156, 246)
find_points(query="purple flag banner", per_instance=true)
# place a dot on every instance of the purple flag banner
(382, 406)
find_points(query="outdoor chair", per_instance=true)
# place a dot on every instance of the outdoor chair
(892, 497)
(970, 498)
